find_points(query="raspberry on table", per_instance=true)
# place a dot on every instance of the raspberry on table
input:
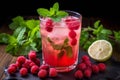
(78, 74)
(82, 66)
(42, 73)
(18, 64)
(13, 64)
(21, 59)
(72, 34)
(32, 55)
(31, 64)
(27, 64)
(52, 72)
(95, 68)
(37, 61)
(23, 71)
(102, 67)
(87, 73)
(34, 69)
(44, 66)
(11, 69)
(88, 63)
(85, 58)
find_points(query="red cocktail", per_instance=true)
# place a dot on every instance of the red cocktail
(60, 41)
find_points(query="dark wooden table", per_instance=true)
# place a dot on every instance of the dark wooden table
(6, 59)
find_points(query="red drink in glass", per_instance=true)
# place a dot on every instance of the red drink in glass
(60, 41)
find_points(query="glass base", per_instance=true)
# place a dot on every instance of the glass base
(64, 69)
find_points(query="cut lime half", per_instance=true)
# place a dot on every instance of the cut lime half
(100, 50)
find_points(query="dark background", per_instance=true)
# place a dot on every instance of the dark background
(88, 8)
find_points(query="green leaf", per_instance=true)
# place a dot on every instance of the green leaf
(30, 24)
(21, 34)
(49, 40)
(12, 40)
(62, 14)
(52, 11)
(96, 24)
(84, 37)
(69, 51)
(56, 6)
(97, 31)
(61, 54)
(17, 21)
(4, 38)
(57, 46)
(43, 12)
(56, 19)
(33, 32)
(105, 31)
(117, 36)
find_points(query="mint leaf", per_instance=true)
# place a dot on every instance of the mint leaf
(30, 23)
(17, 21)
(21, 34)
(61, 53)
(69, 51)
(57, 46)
(43, 12)
(61, 14)
(4, 38)
(54, 13)
(96, 24)
(56, 6)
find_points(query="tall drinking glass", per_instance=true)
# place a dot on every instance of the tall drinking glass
(60, 41)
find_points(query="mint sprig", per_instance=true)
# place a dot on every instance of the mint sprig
(54, 13)
(62, 47)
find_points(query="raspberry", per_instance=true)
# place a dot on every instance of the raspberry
(88, 63)
(72, 34)
(87, 73)
(18, 64)
(95, 68)
(73, 24)
(27, 64)
(34, 69)
(21, 59)
(102, 67)
(13, 64)
(78, 74)
(32, 64)
(37, 61)
(11, 69)
(32, 55)
(52, 72)
(44, 66)
(49, 25)
(42, 73)
(23, 71)
(49, 29)
(82, 66)
(74, 41)
(85, 58)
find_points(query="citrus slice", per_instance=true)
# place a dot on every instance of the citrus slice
(100, 50)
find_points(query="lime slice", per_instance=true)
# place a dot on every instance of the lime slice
(100, 50)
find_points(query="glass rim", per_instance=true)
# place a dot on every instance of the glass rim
(75, 12)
